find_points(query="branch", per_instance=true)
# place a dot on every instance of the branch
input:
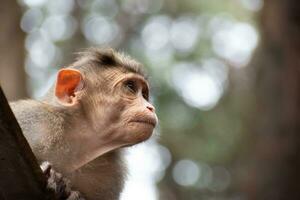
(20, 174)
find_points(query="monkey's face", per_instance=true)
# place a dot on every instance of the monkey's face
(120, 112)
(106, 107)
(139, 117)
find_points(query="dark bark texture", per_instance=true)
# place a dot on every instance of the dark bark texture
(21, 176)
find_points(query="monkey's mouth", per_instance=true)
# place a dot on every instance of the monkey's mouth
(148, 121)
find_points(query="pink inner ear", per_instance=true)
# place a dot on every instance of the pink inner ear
(68, 82)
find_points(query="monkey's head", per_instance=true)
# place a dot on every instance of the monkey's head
(112, 93)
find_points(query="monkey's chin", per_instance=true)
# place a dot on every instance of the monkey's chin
(141, 131)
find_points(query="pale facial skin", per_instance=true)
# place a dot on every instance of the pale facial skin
(116, 111)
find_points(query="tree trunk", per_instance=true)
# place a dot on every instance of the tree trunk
(276, 171)
(12, 75)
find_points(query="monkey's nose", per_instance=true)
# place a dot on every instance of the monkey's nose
(151, 108)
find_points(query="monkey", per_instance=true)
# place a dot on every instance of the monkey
(98, 105)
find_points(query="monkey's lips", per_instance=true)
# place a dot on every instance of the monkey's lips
(145, 120)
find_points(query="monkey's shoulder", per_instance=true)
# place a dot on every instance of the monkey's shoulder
(23, 105)
(34, 116)
(28, 109)
(40, 122)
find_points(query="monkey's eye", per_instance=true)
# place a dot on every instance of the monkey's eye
(145, 94)
(131, 86)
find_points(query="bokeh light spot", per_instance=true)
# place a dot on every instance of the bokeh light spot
(31, 19)
(100, 30)
(145, 171)
(184, 34)
(198, 87)
(235, 42)
(37, 44)
(253, 5)
(155, 34)
(206, 176)
(108, 8)
(186, 172)
(141, 6)
(221, 179)
(34, 3)
(59, 27)
(59, 7)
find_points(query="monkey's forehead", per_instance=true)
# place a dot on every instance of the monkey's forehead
(107, 57)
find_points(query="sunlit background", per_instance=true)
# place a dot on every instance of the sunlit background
(196, 53)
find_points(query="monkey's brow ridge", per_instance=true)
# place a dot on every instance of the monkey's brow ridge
(107, 57)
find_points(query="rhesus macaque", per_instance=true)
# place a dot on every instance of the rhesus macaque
(98, 104)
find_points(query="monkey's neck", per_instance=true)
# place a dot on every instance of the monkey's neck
(102, 178)
(76, 146)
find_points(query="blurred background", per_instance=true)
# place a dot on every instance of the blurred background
(225, 81)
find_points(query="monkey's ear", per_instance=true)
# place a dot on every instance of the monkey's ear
(68, 82)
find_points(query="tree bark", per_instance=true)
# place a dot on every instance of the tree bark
(21, 176)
